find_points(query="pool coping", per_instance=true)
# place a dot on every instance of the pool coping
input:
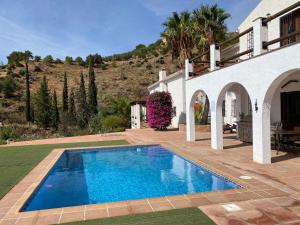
(13, 201)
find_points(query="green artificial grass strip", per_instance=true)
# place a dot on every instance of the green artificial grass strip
(187, 216)
(16, 162)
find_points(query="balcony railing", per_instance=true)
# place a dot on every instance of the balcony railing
(232, 59)
(215, 58)
(201, 63)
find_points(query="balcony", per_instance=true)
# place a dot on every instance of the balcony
(248, 44)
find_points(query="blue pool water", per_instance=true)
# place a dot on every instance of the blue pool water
(83, 177)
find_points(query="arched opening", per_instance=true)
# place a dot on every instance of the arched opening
(233, 118)
(281, 110)
(198, 124)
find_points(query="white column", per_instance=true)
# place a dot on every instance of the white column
(260, 35)
(190, 123)
(138, 116)
(132, 116)
(261, 134)
(238, 106)
(215, 57)
(188, 68)
(216, 126)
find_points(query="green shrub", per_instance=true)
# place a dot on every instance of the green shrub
(160, 60)
(95, 123)
(37, 69)
(8, 86)
(37, 58)
(22, 72)
(148, 66)
(112, 123)
(80, 61)
(48, 59)
(15, 57)
(95, 59)
(69, 59)
(104, 66)
(58, 61)
(7, 133)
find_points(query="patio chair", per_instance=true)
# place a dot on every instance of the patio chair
(275, 141)
(296, 138)
(297, 129)
(228, 127)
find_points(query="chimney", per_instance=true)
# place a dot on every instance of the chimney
(162, 74)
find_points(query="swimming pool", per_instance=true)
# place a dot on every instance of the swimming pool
(90, 176)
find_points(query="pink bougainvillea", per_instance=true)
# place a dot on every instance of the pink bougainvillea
(159, 110)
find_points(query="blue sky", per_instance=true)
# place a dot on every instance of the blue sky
(81, 27)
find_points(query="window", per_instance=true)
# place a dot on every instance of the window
(174, 111)
(250, 43)
(289, 24)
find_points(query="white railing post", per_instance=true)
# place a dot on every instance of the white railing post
(188, 68)
(260, 35)
(215, 57)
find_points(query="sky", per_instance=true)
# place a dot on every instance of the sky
(82, 27)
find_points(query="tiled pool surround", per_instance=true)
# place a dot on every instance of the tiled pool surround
(11, 204)
(121, 174)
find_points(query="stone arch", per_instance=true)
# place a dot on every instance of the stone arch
(217, 115)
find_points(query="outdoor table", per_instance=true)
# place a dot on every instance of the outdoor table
(279, 133)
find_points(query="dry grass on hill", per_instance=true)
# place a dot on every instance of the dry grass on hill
(119, 78)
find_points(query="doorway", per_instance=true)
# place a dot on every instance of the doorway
(290, 109)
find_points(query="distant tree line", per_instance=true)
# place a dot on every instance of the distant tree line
(16, 57)
(140, 51)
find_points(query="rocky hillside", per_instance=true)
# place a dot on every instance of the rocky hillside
(114, 78)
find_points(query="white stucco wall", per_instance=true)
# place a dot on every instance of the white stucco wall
(175, 87)
(259, 76)
(264, 8)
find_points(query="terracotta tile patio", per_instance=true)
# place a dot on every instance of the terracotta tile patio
(272, 196)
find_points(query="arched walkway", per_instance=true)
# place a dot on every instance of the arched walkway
(272, 109)
(197, 109)
(233, 104)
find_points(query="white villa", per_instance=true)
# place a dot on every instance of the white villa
(254, 84)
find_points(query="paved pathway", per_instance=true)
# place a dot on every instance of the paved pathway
(272, 195)
(283, 174)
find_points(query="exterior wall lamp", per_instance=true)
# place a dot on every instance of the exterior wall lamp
(255, 106)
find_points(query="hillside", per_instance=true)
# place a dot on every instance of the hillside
(116, 78)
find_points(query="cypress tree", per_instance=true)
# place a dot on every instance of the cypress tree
(92, 90)
(27, 107)
(43, 112)
(54, 112)
(83, 109)
(65, 94)
(72, 108)
(32, 112)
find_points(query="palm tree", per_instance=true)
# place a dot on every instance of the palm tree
(177, 36)
(208, 25)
